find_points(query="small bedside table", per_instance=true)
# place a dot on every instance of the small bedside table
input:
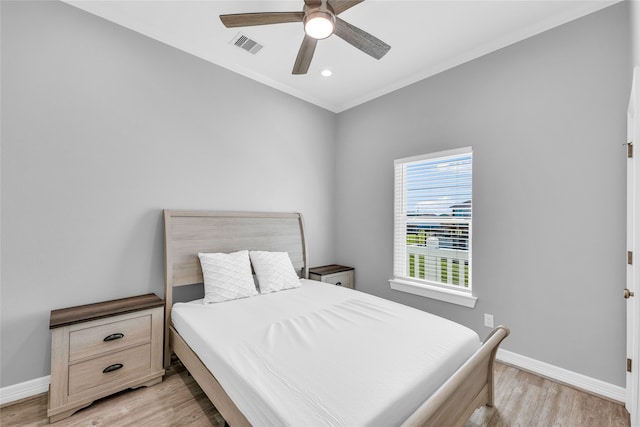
(337, 274)
(100, 349)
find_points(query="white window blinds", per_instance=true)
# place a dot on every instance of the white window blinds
(432, 231)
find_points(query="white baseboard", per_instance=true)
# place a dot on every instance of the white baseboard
(41, 385)
(29, 388)
(582, 382)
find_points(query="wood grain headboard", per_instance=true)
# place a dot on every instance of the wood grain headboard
(188, 232)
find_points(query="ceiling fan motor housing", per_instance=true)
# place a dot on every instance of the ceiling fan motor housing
(319, 21)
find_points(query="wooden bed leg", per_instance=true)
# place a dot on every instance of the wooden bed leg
(490, 394)
(490, 379)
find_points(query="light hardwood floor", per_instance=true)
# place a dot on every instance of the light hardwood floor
(522, 400)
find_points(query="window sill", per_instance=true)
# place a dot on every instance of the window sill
(434, 292)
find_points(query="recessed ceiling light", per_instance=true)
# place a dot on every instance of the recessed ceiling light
(326, 72)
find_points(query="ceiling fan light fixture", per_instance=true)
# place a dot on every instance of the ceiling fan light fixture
(319, 24)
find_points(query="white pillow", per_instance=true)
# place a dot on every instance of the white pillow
(227, 276)
(274, 270)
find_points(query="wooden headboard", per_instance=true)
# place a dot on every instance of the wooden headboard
(188, 232)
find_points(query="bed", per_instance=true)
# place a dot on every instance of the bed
(317, 354)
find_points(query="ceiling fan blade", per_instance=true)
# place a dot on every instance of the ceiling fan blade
(264, 18)
(361, 39)
(340, 6)
(305, 54)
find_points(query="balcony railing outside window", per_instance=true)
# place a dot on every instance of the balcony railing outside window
(435, 264)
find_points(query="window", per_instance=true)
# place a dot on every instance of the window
(432, 230)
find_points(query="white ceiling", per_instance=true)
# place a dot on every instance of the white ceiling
(426, 37)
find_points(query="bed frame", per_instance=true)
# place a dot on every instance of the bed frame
(190, 232)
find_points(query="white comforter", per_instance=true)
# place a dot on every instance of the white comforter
(322, 355)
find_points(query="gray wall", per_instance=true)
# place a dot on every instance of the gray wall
(102, 128)
(546, 118)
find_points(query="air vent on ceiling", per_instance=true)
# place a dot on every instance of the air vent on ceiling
(244, 42)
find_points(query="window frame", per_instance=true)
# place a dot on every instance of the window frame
(403, 282)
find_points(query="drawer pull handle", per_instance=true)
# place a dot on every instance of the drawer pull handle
(114, 337)
(338, 283)
(112, 368)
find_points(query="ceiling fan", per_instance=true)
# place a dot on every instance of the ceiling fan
(320, 19)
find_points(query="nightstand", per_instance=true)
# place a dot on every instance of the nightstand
(337, 274)
(100, 349)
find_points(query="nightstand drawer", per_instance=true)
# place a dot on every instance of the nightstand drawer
(340, 279)
(109, 368)
(111, 336)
